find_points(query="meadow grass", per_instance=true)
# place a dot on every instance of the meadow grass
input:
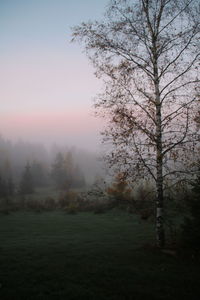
(53, 255)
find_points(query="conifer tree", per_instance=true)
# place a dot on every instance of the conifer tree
(26, 184)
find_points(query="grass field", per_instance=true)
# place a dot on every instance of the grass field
(53, 255)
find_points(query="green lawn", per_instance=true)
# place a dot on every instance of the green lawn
(86, 256)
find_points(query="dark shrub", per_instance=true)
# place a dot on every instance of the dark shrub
(49, 203)
(71, 208)
(34, 204)
(66, 198)
(145, 214)
(191, 225)
(120, 192)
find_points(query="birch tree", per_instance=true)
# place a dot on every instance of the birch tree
(147, 53)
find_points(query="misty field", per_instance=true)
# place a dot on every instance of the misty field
(53, 255)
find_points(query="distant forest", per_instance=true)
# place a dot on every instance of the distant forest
(26, 166)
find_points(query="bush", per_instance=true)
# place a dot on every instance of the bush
(5, 205)
(101, 206)
(72, 202)
(34, 204)
(5, 210)
(67, 198)
(72, 208)
(49, 203)
(119, 192)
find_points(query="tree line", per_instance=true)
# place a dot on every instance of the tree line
(25, 176)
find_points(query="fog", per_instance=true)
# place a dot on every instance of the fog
(79, 129)
(80, 219)
(15, 155)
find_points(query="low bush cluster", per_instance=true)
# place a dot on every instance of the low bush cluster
(98, 199)
(27, 203)
(139, 200)
(72, 202)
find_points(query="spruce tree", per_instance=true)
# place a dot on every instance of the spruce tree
(26, 184)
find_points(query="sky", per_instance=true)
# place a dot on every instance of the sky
(47, 82)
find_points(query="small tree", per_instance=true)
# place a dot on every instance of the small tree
(38, 174)
(148, 53)
(7, 184)
(3, 188)
(10, 186)
(58, 171)
(120, 191)
(65, 174)
(26, 184)
(69, 170)
(79, 180)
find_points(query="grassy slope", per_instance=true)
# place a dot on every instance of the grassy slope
(87, 256)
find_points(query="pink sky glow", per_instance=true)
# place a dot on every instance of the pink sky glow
(67, 127)
(47, 83)
(49, 99)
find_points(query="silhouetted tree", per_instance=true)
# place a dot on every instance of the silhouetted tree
(10, 186)
(38, 174)
(58, 171)
(120, 190)
(3, 188)
(65, 174)
(79, 179)
(26, 185)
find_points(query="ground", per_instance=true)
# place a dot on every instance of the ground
(53, 255)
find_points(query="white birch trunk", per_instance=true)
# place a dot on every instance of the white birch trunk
(160, 233)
